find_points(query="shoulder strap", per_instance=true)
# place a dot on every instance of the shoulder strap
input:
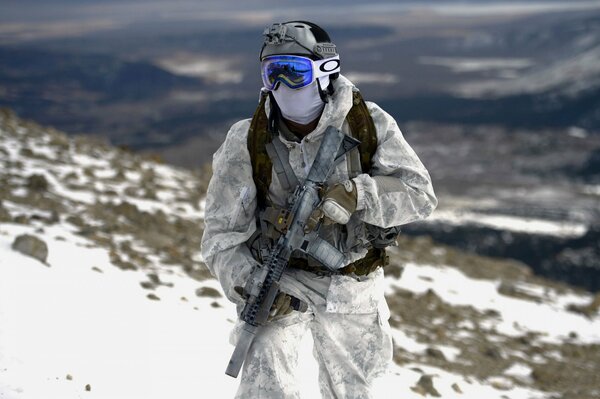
(363, 128)
(258, 138)
(280, 158)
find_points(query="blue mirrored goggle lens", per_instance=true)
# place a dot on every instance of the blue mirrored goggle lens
(294, 72)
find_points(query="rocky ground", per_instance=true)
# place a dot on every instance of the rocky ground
(114, 198)
(481, 320)
(565, 366)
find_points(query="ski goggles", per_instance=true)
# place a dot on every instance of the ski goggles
(296, 71)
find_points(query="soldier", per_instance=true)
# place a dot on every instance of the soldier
(379, 186)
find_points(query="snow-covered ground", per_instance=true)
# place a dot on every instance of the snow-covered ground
(80, 326)
(529, 225)
(67, 325)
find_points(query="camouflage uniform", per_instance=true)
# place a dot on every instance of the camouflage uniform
(348, 315)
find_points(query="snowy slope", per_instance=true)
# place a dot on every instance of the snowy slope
(124, 308)
(102, 330)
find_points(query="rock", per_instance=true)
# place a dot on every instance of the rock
(153, 297)
(71, 176)
(153, 277)
(97, 269)
(501, 383)
(76, 221)
(21, 219)
(435, 353)
(543, 375)
(507, 288)
(131, 191)
(31, 246)
(89, 172)
(4, 214)
(401, 292)
(59, 140)
(215, 305)
(54, 217)
(425, 386)
(154, 282)
(69, 377)
(150, 193)
(155, 239)
(116, 260)
(119, 174)
(37, 183)
(493, 352)
(208, 292)
(26, 152)
(588, 310)
(88, 387)
(456, 388)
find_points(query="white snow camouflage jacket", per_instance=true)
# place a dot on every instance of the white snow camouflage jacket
(398, 192)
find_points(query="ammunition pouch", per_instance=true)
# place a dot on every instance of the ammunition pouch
(380, 237)
(275, 221)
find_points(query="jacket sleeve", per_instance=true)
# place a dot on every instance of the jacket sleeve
(229, 213)
(399, 189)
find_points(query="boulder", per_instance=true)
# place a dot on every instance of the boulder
(425, 387)
(208, 292)
(31, 246)
(37, 183)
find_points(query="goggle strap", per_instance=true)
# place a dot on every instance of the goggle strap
(326, 67)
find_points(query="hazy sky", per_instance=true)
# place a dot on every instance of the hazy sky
(27, 20)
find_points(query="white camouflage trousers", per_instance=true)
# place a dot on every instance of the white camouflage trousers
(352, 341)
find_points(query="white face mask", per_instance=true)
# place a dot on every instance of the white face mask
(301, 105)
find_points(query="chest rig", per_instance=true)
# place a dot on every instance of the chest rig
(268, 155)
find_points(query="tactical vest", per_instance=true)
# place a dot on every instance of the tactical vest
(361, 127)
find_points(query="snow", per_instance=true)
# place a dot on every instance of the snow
(592, 189)
(511, 8)
(549, 318)
(570, 76)
(406, 342)
(510, 223)
(102, 330)
(217, 71)
(83, 317)
(464, 65)
(519, 371)
(172, 179)
(372, 78)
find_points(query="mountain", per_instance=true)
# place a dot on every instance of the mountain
(103, 293)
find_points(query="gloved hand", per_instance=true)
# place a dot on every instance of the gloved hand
(281, 306)
(337, 205)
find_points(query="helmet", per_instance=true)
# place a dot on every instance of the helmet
(297, 38)
(287, 51)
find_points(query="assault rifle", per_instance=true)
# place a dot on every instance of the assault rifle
(262, 286)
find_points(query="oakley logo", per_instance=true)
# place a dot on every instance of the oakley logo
(329, 66)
